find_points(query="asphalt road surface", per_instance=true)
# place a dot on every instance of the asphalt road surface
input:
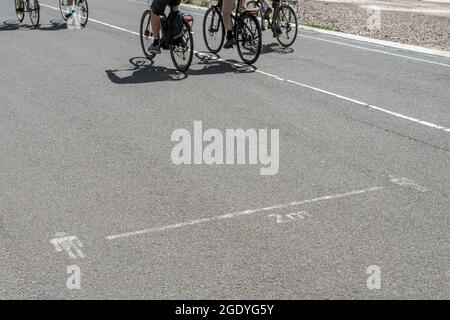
(85, 131)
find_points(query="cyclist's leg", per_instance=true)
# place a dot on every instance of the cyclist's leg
(20, 6)
(227, 8)
(70, 8)
(158, 7)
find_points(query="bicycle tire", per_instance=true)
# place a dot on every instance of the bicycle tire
(292, 26)
(34, 10)
(241, 35)
(63, 8)
(143, 34)
(85, 10)
(213, 11)
(183, 68)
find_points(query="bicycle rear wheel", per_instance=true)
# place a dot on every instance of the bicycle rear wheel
(34, 11)
(82, 12)
(146, 34)
(248, 38)
(285, 25)
(183, 53)
(20, 15)
(63, 8)
(213, 30)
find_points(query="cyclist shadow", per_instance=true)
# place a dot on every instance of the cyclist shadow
(212, 64)
(54, 25)
(13, 25)
(143, 71)
(275, 48)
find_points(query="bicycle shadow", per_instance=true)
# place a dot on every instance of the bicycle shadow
(275, 48)
(144, 70)
(54, 25)
(14, 25)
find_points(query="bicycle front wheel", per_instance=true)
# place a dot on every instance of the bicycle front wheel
(213, 30)
(34, 11)
(183, 53)
(146, 34)
(63, 8)
(82, 12)
(248, 38)
(285, 26)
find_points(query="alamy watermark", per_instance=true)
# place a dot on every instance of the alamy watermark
(374, 19)
(235, 146)
(374, 279)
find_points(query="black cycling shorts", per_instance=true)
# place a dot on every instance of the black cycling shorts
(159, 6)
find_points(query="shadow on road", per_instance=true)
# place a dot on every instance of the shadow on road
(54, 25)
(144, 70)
(13, 25)
(275, 48)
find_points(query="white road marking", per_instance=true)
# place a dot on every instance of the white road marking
(376, 50)
(405, 182)
(367, 105)
(240, 213)
(69, 244)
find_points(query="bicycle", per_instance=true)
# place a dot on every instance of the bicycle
(82, 8)
(246, 30)
(32, 7)
(284, 20)
(182, 52)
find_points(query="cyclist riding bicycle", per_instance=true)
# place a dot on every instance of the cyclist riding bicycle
(174, 21)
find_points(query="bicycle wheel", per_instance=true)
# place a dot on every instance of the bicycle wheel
(285, 25)
(20, 15)
(183, 53)
(63, 8)
(34, 11)
(213, 30)
(83, 12)
(248, 38)
(146, 34)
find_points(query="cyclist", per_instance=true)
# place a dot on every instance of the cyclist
(174, 21)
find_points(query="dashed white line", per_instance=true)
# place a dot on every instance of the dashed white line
(367, 105)
(240, 213)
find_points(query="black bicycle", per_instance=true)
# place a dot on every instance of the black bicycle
(283, 22)
(30, 6)
(182, 52)
(82, 10)
(246, 30)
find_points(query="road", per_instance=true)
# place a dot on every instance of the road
(86, 124)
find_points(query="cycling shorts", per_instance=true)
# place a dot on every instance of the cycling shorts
(159, 6)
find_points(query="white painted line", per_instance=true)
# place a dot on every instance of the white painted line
(392, 113)
(377, 50)
(407, 183)
(240, 213)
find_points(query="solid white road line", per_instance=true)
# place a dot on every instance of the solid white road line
(367, 105)
(240, 213)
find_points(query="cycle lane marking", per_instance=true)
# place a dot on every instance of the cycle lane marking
(241, 213)
(335, 95)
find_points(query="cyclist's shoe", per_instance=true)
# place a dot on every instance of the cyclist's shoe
(154, 48)
(69, 14)
(228, 44)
